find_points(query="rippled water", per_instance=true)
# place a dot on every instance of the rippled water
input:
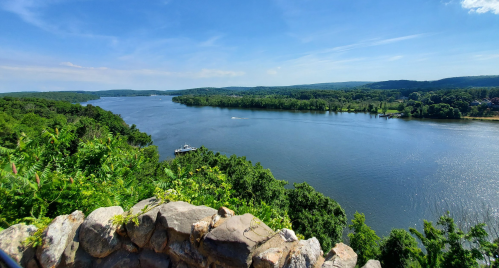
(395, 171)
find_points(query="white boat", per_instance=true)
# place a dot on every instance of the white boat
(185, 149)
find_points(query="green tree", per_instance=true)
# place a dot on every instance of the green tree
(363, 240)
(397, 248)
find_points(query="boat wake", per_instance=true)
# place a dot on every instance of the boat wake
(238, 117)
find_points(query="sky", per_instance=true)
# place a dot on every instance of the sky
(53, 45)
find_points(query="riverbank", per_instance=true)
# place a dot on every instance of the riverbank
(493, 118)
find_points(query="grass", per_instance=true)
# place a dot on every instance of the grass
(493, 118)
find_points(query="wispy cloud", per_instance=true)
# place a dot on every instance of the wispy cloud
(25, 9)
(372, 42)
(481, 6)
(69, 64)
(31, 11)
(394, 58)
(106, 75)
(211, 41)
(273, 71)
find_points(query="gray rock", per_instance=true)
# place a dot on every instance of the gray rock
(372, 264)
(178, 217)
(341, 256)
(150, 259)
(288, 235)
(233, 243)
(305, 254)
(159, 239)
(56, 237)
(11, 241)
(81, 259)
(277, 242)
(119, 259)
(98, 235)
(268, 259)
(140, 234)
(184, 252)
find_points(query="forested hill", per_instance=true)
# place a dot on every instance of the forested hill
(72, 97)
(455, 82)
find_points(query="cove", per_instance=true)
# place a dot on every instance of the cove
(396, 171)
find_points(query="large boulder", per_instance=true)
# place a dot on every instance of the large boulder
(98, 235)
(177, 219)
(150, 259)
(57, 236)
(268, 259)
(11, 241)
(372, 264)
(140, 234)
(307, 253)
(341, 256)
(278, 246)
(119, 259)
(233, 243)
(159, 239)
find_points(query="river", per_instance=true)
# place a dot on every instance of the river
(396, 171)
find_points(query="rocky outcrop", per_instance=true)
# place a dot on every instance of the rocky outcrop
(98, 235)
(56, 238)
(141, 233)
(235, 240)
(11, 241)
(172, 235)
(306, 254)
(341, 256)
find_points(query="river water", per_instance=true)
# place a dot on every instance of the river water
(396, 171)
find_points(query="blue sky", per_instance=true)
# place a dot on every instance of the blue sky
(48, 45)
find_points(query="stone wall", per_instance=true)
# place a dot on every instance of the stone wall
(175, 234)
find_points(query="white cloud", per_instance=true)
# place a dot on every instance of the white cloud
(394, 58)
(273, 71)
(208, 73)
(481, 6)
(70, 64)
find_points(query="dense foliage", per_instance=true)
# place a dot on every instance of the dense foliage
(72, 97)
(445, 245)
(445, 104)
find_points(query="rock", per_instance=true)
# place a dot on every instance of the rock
(183, 251)
(140, 234)
(56, 237)
(305, 254)
(32, 264)
(149, 259)
(216, 220)
(233, 242)
(159, 239)
(130, 246)
(277, 242)
(98, 235)
(81, 259)
(268, 259)
(119, 259)
(225, 212)
(288, 235)
(198, 231)
(341, 256)
(372, 264)
(11, 241)
(178, 217)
